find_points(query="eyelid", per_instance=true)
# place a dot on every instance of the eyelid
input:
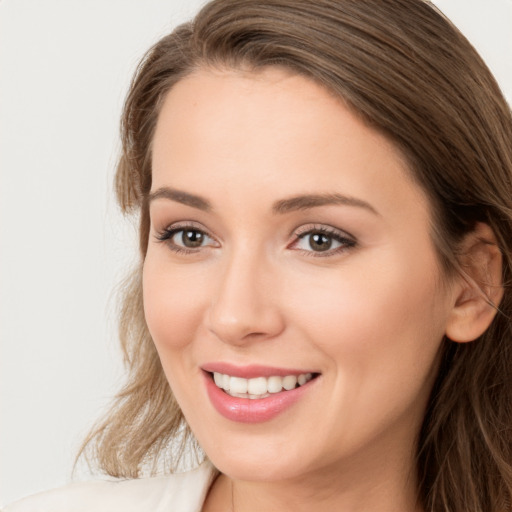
(323, 228)
(187, 224)
(164, 235)
(346, 240)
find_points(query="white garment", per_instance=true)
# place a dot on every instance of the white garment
(180, 492)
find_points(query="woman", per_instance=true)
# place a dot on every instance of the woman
(322, 302)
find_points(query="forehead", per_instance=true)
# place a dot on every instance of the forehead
(271, 131)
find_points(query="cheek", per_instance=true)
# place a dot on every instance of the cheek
(368, 299)
(173, 304)
(378, 324)
(378, 329)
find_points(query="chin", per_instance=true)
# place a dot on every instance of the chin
(256, 458)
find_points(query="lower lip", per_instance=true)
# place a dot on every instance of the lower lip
(258, 410)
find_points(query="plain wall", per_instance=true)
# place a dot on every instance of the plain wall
(65, 66)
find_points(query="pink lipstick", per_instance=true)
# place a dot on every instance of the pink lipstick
(254, 394)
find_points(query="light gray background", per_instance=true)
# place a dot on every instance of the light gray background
(65, 66)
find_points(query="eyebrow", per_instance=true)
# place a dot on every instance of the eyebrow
(181, 197)
(300, 202)
(305, 202)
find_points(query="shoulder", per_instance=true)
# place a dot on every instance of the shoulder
(180, 492)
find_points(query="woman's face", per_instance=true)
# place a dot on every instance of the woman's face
(289, 244)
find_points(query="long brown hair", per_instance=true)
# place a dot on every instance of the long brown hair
(409, 73)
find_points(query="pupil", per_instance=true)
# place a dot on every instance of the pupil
(192, 238)
(320, 242)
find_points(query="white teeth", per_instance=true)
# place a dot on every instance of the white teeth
(225, 382)
(238, 385)
(289, 382)
(274, 384)
(253, 397)
(259, 387)
(217, 377)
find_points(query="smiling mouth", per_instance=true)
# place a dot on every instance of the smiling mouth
(259, 387)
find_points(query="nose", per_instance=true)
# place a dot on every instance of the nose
(244, 307)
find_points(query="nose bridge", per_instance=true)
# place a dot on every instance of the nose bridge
(243, 306)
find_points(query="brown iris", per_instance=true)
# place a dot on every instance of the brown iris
(320, 242)
(192, 238)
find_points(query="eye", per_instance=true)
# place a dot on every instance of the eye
(323, 241)
(185, 238)
(191, 238)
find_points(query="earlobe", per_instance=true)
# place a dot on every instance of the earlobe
(479, 286)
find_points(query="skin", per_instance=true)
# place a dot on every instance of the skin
(368, 315)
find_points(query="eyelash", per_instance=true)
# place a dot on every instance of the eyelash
(345, 240)
(167, 234)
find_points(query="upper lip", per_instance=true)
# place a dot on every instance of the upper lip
(251, 371)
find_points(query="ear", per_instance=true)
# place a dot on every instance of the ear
(478, 288)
